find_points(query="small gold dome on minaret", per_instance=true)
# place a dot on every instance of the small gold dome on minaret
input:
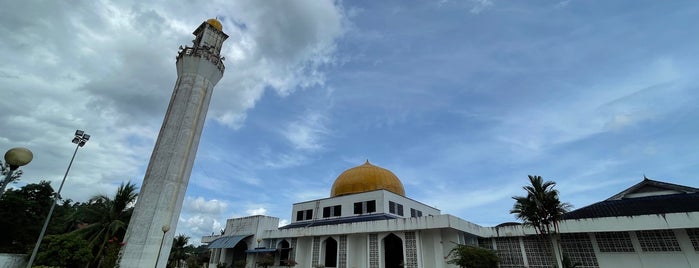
(365, 178)
(216, 24)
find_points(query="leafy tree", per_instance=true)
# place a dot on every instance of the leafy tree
(540, 208)
(178, 252)
(106, 219)
(265, 260)
(466, 256)
(22, 212)
(64, 250)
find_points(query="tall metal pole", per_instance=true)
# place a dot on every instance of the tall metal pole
(80, 139)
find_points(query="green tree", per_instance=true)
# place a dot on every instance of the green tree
(66, 250)
(106, 219)
(179, 250)
(466, 256)
(540, 208)
(22, 212)
(265, 260)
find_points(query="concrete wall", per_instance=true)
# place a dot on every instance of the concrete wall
(12, 260)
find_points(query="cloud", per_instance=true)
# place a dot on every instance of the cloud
(479, 5)
(307, 131)
(256, 211)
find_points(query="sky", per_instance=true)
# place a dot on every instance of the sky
(460, 99)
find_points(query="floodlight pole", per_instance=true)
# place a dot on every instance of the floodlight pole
(80, 139)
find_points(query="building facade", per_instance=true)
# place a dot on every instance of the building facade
(369, 222)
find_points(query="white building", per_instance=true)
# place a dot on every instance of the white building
(369, 222)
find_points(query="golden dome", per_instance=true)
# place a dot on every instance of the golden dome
(215, 23)
(365, 178)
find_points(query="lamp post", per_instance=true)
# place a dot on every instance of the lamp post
(14, 158)
(80, 139)
(165, 228)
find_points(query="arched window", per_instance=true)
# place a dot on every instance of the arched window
(284, 251)
(330, 252)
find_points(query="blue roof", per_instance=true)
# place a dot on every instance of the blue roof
(649, 205)
(261, 250)
(227, 241)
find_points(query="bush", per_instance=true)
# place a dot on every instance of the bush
(473, 257)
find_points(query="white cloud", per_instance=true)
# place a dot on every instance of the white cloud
(479, 5)
(256, 211)
(307, 132)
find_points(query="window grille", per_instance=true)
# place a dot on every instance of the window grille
(694, 237)
(509, 252)
(579, 249)
(538, 250)
(614, 242)
(658, 240)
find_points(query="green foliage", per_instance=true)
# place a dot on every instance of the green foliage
(106, 219)
(540, 208)
(289, 263)
(178, 251)
(473, 257)
(64, 251)
(221, 265)
(265, 260)
(22, 213)
(239, 264)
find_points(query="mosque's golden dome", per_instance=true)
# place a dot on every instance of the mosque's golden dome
(365, 178)
(215, 23)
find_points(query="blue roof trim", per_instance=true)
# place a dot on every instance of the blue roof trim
(332, 221)
(228, 241)
(261, 250)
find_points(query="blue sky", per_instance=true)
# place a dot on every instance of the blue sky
(460, 99)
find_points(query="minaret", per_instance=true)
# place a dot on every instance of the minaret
(154, 220)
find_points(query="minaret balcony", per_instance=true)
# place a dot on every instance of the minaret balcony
(203, 52)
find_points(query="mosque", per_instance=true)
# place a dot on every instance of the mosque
(368, 221)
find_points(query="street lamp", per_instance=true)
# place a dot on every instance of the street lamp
(165, 228)
(14, 158)
(80, 139)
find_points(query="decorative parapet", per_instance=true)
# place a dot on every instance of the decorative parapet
(205, 53)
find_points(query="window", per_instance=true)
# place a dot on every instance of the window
(365, 207)
(415, 213)
(509, 252)
(578, 246)
(538, 253)
(332, 211)
(658, 240)
(304, 215)
(395, 208)
(371, 206)
(309, 214)
(694, 237)
(614, 242)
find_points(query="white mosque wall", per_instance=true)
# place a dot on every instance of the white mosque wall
(382, 198)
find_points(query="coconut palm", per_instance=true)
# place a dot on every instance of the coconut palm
(105, 219)
(540, 208)
(178, 251)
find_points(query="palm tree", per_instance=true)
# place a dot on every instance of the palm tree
(178, 251)
(106, 219)
(540, 208)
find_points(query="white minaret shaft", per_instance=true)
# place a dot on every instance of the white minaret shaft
(159, 203)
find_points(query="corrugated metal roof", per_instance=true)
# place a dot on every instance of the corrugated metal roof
(227, 241)
(649, 205)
